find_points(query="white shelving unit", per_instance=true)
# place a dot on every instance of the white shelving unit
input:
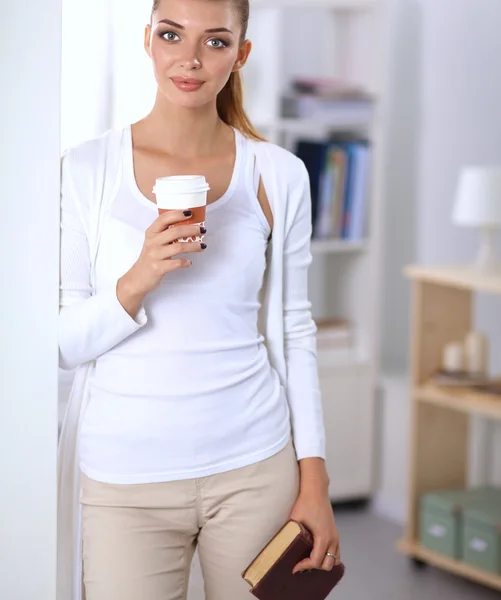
(338, 246)
(347, 39)
(338, 5)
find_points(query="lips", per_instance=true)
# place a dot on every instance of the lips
(187, 84)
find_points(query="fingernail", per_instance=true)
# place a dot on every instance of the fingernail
(203, 230)
(187, 213)
(204, 246)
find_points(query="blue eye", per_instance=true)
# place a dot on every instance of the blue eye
(170, 36)
(217, 43)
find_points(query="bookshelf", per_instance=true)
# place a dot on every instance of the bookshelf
(346, 40)
(442, 311)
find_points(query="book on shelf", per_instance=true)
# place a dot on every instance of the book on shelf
(330, 87)
(463, 380)
(327, 100)
(339, 171)
(334, 333)
(327, 111)
(336, 344)
(270, 573)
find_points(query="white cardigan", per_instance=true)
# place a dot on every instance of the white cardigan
(90, 323)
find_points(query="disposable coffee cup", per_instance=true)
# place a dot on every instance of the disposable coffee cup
(183, 192)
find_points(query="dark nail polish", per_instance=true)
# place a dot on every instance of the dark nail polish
(204, 246)
(203, 231)
(187, 213)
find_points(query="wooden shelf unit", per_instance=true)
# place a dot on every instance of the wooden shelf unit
(447, 564)
(457, 277)
(442, 303)
(460, 399)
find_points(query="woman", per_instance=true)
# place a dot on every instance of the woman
(181, 412)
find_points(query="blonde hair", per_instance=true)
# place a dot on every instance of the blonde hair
(230, 100)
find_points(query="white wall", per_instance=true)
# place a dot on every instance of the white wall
(134, 85)
(107, 33)
(402, 179)
(445, 113)
(86, 90)
(30, 49)
(461, 125)
(459, 107)
(461, 98)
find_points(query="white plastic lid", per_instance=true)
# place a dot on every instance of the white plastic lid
(181, 184)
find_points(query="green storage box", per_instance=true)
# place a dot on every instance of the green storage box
(482, 535)
(441, 519)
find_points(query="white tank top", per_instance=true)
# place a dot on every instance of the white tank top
(192, 393)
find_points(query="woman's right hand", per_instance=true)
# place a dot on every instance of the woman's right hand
(158, 258)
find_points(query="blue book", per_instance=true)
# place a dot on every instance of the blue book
(313, 154)
(348, 190)
(356, 226)
(324, 222)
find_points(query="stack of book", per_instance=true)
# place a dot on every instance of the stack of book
(334, 333)
(339, 175)
(327, 101)
(335, 341)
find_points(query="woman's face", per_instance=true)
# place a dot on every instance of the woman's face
(195, 46)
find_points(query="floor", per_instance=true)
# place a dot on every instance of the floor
(376, 571)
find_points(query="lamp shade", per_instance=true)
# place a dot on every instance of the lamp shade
(478, 199)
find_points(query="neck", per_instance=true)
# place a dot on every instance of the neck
(184, 132)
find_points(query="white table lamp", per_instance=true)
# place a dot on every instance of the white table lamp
(478, 204)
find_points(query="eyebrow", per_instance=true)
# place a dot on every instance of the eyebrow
(214, 30)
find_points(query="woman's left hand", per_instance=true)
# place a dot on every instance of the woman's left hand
(313, 510)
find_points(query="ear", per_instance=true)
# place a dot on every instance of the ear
(147, 40)
(243, 55)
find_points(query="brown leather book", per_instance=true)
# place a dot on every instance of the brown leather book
(270, 573)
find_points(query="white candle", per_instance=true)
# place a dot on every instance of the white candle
(453, 357)
(475, 346)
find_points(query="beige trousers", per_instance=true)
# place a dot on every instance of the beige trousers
(139, 540)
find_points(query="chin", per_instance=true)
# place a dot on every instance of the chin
(190, 99)
(190, 102)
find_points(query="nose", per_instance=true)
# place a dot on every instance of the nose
(191, 62)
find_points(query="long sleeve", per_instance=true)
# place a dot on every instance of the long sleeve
(303, 390)
(89, 324)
